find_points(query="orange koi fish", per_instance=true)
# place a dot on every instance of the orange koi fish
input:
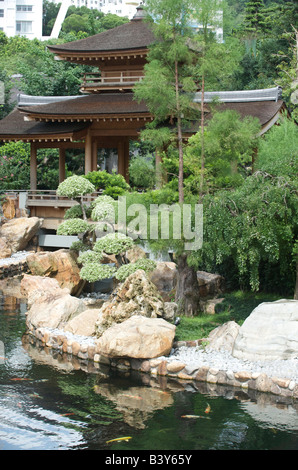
(208, 409)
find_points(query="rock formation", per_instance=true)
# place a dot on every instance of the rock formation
(136, 296)
(138, 337)
(61, 265)
(270, 332)
(17, 233)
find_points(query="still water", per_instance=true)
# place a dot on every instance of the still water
(50, 403)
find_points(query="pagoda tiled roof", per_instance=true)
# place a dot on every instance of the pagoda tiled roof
(105, 104)
(134, 35)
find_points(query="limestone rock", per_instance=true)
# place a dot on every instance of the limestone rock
(19, 232)
(135, 253)
(210, 285)
(223, 337)
(164, 277)
(84, 323)
(270, 332)
(60, 264)
(49, 305)
(9, 208)
(138, 337)
(5, 251)
(136, 296)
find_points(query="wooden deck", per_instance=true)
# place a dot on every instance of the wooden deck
(46, 205)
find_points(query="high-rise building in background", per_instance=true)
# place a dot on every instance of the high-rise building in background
(116, 7)
(21, 17)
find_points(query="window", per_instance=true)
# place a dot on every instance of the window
(23, 27)
(2, 13)
(24, 7)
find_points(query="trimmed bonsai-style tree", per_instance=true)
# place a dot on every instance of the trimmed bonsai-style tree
(75, 187)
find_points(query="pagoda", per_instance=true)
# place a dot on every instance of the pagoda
(106, 115)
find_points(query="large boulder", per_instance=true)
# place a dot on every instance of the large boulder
(138, 337)
(223, 337)
(61, 265)
(164, 277)
(19, 232)
(269, 333)
(49, 305)
(84, 323)
(136, 296)
(210, 285)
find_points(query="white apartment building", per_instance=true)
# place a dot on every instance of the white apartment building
(116, 7)
(21, 17)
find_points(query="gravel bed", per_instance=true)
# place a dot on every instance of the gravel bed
(15, 258)
(195, 357)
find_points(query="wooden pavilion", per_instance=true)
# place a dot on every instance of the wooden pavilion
(106, 114)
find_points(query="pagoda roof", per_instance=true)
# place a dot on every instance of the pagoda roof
(88, 107)
(15, 127)
(132, 36)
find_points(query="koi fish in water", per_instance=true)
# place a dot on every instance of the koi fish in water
(208, 409)
(119, 439)
(195, 416)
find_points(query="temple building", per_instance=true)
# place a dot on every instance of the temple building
(106, 114)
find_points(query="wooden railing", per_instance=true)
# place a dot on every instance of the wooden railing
(121, 79)
(47, 198)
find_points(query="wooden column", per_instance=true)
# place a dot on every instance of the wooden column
(121, 158)
(126, 160)
(94, 156)
(33, 166)
(88, 153)
(61, 165)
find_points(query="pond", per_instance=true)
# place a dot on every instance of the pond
(49, 402)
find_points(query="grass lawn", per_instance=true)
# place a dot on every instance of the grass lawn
(237, 306)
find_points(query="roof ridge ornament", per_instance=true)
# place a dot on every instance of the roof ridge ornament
(140, 13)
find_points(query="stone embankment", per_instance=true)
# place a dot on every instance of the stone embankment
(88, 349)
(14, 266)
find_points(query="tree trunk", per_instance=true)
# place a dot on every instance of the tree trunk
(296, 287)
(180, 138)
(202, 136)
(187, 290)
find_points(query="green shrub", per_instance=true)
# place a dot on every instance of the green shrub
(75, 212)
(142, 172)
(73, 227)
(113, 243)
(103, 180)
(75, 187)
(126, 270)
(114, 191)
(93, 272)
(89, 257)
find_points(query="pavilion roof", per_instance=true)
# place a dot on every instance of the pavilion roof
(134, 35)
(14, 127)
(88, 107)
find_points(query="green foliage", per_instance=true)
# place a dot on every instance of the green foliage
(103, 211)
(142, 172)
(79, 246)
(253, 226)
(278, 150)
(113, 243)
(73, 227)
(74, 187)
(229, 144)
(103, 180)
(114, 191)
(126, 270)
(89, 257)
(93, 272)
(75, 212)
